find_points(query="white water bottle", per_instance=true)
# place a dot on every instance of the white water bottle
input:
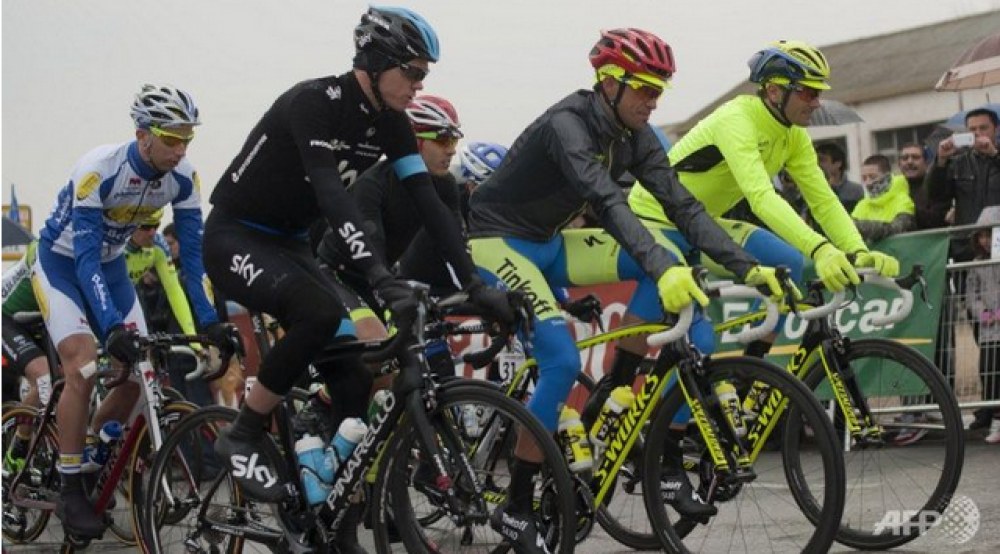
(350, 433)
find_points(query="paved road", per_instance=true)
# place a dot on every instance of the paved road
(979, 484)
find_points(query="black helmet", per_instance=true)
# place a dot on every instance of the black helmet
(396, 33)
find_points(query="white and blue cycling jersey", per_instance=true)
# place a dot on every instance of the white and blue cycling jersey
(110, 192)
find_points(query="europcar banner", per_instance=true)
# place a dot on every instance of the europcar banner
(854, 320)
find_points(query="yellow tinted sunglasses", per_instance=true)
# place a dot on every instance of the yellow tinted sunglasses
(172, 140)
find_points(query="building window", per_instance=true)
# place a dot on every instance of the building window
(888, 141)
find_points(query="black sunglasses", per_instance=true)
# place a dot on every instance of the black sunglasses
(412, 72)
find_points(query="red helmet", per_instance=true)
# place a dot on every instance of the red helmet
(433, 113)
(635, 51)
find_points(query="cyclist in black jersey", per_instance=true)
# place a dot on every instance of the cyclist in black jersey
(293, 169)
(567, 160)
(388, 213)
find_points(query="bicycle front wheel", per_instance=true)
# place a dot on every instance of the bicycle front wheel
(406, 488)
(191, 503)
(913, 467)
(758, 515)
(39, 477)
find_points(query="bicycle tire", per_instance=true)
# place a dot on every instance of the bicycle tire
(886, 356)
(141, 459)
(46, 455)
(391, 493)
(677, 535)
(202, 425)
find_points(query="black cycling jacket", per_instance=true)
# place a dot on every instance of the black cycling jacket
(313, 142)
(571, 157)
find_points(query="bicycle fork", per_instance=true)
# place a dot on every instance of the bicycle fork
(730, 464)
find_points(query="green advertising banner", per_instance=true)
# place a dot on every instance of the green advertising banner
(919, 330)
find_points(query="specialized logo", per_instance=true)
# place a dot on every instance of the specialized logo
(627, 424)
(87, 185)
(248, 468)
(333, 92)
(592, 240)
(353, 237)
(241, 266)
(508, 273)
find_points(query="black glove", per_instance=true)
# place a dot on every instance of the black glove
(396, 296)
(493, 301)
(123, 344)
(586, 309)
(225, 337)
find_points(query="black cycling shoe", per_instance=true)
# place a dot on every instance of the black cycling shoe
(676, 490)
(78, 516)
(520, 530)
(249, 467)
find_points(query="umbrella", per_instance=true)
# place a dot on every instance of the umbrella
(831, 113)
(14, 234)
(957, 121)
(977, 67)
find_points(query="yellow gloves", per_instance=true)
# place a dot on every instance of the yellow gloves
(834, 269)
(763, 276)
(886, 265)
(678, 288)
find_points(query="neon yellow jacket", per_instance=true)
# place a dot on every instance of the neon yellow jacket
(734, 153)
(139, 260)
(885, 208)
(891, 213)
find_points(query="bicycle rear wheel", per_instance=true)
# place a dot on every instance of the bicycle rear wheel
(191, 502)
(917, 467)
(759, 515)
(405, 490)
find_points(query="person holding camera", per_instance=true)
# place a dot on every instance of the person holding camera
(967, 171)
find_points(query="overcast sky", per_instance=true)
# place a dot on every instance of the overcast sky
(70, 68)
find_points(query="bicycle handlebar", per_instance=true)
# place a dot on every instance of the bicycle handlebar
(871, 277)
(169, 342)
(677, 332)
(823, 310)
(766, 327)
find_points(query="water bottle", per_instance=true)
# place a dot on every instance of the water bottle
(315, 468)
(474, 419)
(95, 454)
(730, 403)
(574, 441)
(378, 401)
(351, 431)
(618, 402)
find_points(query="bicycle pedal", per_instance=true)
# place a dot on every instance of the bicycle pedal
(744, 475)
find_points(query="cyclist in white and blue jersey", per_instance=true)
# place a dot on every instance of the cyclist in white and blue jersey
(80, 274)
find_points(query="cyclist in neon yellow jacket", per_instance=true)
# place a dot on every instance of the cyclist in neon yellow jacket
(736, 151)
(147, 249)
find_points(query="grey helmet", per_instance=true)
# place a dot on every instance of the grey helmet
(163, 106)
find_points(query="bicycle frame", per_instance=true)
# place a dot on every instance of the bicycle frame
(654, 388)
(406, 398)
(821, 341)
